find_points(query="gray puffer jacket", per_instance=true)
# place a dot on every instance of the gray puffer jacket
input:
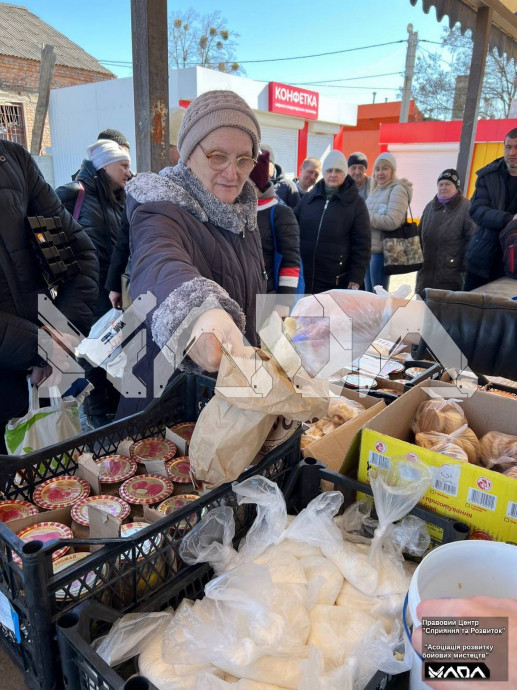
(388, 206)
(445, 231)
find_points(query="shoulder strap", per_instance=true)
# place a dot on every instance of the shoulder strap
(79, 201)
(277, 257)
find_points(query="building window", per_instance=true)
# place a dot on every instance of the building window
(12, 124)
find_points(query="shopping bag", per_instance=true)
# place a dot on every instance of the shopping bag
(44, 426)
(402, 249)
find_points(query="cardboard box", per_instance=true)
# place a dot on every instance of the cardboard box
(332, 448)
(481, 498)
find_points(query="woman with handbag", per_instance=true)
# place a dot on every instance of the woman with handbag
(279, 233)
(387, 203)
(101, 182)
(445, 230)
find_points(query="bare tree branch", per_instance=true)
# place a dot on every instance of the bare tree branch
(203, 41)
(435, 79)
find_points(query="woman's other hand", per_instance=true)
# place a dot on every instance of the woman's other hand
(213, 329)
(116, 299)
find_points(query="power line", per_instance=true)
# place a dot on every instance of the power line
(339, 86)
(328, 81)
(124, 63)
(297, 57)
(334, 52)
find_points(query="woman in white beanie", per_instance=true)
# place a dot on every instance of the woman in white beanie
(195, 244)
(96, 200)
(387, 204)
(334, 230)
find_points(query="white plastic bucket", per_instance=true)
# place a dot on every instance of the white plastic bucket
(459, 570)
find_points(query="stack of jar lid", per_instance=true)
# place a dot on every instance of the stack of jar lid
(113, 505)
(114, 470)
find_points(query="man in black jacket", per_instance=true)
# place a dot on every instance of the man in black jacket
(493, 206)
(24, 193)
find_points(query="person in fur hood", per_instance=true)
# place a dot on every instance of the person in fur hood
(387, 204)
(195, 244)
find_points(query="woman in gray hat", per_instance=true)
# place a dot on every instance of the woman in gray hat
(195, 244)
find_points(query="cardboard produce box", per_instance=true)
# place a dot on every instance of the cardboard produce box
(332, 448)
(483, 499)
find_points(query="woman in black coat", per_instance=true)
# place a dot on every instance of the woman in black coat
(274, 216)
(335, 237)
(445, 230)
(103, 176)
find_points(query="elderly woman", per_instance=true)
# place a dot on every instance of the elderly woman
(445, 230)
(387, 204)
(195, 244)
(334, 230)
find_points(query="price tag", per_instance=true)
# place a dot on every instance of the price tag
(9, 618)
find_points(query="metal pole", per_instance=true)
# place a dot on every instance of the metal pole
(409, 73)
(477, 73)
(150, 83)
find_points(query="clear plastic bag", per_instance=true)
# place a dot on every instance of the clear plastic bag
(462, 437)
(438, 414)
(271, 516)
(129, 635)
(210, 541)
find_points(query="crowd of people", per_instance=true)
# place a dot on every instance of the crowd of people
(222, 224)
(210, 232)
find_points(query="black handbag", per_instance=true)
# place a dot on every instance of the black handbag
(402, 249)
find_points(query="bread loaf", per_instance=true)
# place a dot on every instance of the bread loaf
(440, 415)
(341, 410)
(464, 437)
(495, 444)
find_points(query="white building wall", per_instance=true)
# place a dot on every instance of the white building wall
(421, 164)
(78, 113)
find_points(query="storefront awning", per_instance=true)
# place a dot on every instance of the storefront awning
(503, 34)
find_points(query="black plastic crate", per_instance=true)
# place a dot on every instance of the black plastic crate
(150, 558)
(83, 669)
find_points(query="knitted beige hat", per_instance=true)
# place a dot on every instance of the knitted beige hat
(212, 110)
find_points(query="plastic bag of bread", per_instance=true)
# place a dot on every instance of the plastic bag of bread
(341, 410)
(499, 464)
(463, 437)
(440, 415)
(495, 444)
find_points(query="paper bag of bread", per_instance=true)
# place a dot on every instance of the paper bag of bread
(438, 414)
(464, 438)
(495, 444)
(251, 392)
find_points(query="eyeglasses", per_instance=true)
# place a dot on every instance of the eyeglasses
(220, 161)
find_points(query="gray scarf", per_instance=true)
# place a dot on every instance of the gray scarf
(180, 186)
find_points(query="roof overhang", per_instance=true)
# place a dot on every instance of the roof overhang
(503, 35)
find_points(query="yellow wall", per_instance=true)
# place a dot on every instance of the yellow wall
(484, 153)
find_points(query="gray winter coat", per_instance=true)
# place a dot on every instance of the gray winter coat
(445, 230)
(388, 207)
